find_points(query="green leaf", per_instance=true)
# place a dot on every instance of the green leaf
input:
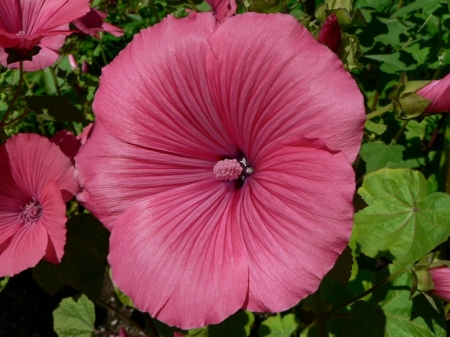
(277, 326)
(390, 313)
(376, 128)
(391, 63)
(202, 332)
(237, 325)
(74, 319)
(379, 5)
(415, 129)
(3, 282)
(418, 4)
(84, 260)
(55, 108)
(379, 155)
(401, 222)
(342, 269)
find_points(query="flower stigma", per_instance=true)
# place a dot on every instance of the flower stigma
(232, 169)
(31, 212)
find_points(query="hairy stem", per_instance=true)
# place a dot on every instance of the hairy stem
(380, 111)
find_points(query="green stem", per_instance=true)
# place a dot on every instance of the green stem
(55, 80)
(102, 51)
(151, 3)
(367, 292)
(26, 113)
(444, 165)
(16, 96)
(380, 111)
(399, 133)
(122, 315)
(318, 305)
(194, 7)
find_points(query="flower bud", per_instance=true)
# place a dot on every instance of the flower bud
(85, 67)
(330, 34)
(441, 280)
(73, 62)
(438, 92)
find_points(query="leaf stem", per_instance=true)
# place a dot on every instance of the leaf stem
(367, 292)
(380, 111)
(321, 322)
(13, 101)
(55, 80)
(122, 315)
(151, 3)
(400, 131)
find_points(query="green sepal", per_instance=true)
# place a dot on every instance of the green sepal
(321, 12)
(3, 282)
(344, 16)
(426, 261)
(431, 301)
(414, 284)
(425, 282)
(408, 104)
(349, 51)
(335, 4)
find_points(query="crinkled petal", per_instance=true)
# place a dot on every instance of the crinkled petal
(137, 173)
(223, 9)
(438, 92)
(296, 216)
(92, 22)
(272, 81)
(180, 256)
(26, 248)
(35, 160)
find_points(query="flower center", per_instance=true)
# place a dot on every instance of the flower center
(21, 33)
(232, 169)
(31, 212)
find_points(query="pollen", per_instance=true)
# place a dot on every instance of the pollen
(228, 169)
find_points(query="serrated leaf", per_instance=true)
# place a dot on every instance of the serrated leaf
(401, 222)
(58, 108)
(74, 318)
(418, 4)
(342, 269)
(379, 155)
(390, 313)
(237, 325)
(84, 260)
(415, 129)
(277, 326)
(391, 63)
(3, 282)
(379, 5)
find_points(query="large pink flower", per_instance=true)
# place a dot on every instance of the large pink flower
(26, 24)
(441, 280)
(36, 180)
(93, 22)
(192, 103)
(438, 92)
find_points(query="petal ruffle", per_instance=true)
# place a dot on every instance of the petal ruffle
(180, 256)
(296, 218)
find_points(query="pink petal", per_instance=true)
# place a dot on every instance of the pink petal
(330, 33)
(67, 142)
(282, 84)
(296, 218)
(223, 9)
(93, 22)
(85, 134)
(25, 250)
(137, 172)
(53, 219)
(441, 280)
(439, 93)
(35, 160)
(188, 265)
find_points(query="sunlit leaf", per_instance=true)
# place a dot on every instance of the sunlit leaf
(277, 326)
(74, 318)
(379, 155)
(3, 282)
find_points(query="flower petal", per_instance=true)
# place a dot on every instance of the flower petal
(31, 168)
(296, 218)
(439, 93)
(180, 257)
(223, 8)
(273, 81)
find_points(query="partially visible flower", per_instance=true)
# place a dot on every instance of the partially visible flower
(330, 33)
(441, 280)
(85, 134)
(68, 143)
(33, 30)
(93, 22)
(72, 61)
(222, 9)
(438, 92)
(222, 166)
(85, 67)
(122, 333)
(36, 180)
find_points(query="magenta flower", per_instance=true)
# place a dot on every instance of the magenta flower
(438, 92)
(34, 30)
(37, 180)
(441, 280)
(220, 160)
(330, 33)
(93, 22)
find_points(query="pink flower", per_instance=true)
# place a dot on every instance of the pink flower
(190, 244)
(439, 93)
(441, 280)
(27, 25)
(36, 180)
(92, 23)
(68, 143)
(72, 61)
(122, 333)
(330, 33)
